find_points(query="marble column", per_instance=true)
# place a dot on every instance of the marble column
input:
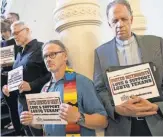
(78, 24)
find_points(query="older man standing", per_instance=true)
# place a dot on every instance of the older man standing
(35, 74)
(125, 49)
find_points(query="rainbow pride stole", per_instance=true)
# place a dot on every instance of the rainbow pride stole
(70, 97)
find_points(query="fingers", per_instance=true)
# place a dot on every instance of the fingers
(21, 87)
(26, 118)
(143, 114)
(134, 100)
(63, 111)
(63, 115)
(136, 108)
(5, 90)
(24, 86)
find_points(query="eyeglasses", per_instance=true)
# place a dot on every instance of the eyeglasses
(52, 55)
(17, 33)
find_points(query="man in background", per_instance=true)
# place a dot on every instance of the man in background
(35, 74)
(12, 17)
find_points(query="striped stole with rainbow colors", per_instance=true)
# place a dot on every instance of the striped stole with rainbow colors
(70, 97)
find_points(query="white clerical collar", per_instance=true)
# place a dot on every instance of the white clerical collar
(125, 42)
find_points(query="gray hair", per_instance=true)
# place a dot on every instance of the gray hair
(60, 44)
(22, 23)
(123, 2)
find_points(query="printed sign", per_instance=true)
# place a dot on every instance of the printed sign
(7, 55)
(45, 107)
(15, 77)
(137, 80)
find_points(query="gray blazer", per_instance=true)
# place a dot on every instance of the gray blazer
(151, 48)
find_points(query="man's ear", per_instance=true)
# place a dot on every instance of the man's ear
(131, 19)
(66, 57)
(28, 29)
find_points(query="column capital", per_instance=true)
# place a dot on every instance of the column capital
(71, 13)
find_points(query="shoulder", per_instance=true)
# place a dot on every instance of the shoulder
(103, 46)
(149, 37)
(83, 79)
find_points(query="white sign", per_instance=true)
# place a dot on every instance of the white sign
(15, 77)
(45, 107)
(137, 80)
(7, 55)
(5, 6)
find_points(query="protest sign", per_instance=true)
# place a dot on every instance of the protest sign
(15, 77)
(45, 107)
(7, 55)
(136, 80)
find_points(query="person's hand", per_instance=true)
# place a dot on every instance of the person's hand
(24, 86)
(26, 118)
(69, 113)
(5, 90)
(144, 102)
(135, 107)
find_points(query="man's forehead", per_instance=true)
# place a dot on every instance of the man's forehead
(118, 9)
(17, 26)
(51, 48)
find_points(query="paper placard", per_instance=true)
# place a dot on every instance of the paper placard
(45, 107)
(7, 55)
(15, 77)
(136, 80)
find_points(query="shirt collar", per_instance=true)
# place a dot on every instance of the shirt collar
(27, 47)
(125, 42)
(54, 81)
(121, 44)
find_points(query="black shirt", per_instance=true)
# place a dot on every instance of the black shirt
(34, 69)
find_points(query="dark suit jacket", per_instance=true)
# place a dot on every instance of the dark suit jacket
(151, 48)
(34, 69)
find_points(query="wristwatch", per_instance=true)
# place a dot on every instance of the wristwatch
(81, 120)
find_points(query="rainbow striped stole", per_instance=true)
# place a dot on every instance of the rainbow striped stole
(70, 97)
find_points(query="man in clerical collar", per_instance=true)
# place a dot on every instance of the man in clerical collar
(137, 116)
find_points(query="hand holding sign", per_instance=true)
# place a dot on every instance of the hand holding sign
(131, 108)
(136, 80)
(45, 108)
(24, 86)
(69, 113)
(7, 55)
(144, 102)
(5, 90)
(15, 78)
(26, 118)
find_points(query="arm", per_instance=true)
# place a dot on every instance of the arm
(160, 104)
(101, 88)
(40, 81)
(95, 115)
(95, 121)
(160, 108)
(91, 121)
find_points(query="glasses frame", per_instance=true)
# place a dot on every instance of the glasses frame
(18, 32)
(52, 55)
